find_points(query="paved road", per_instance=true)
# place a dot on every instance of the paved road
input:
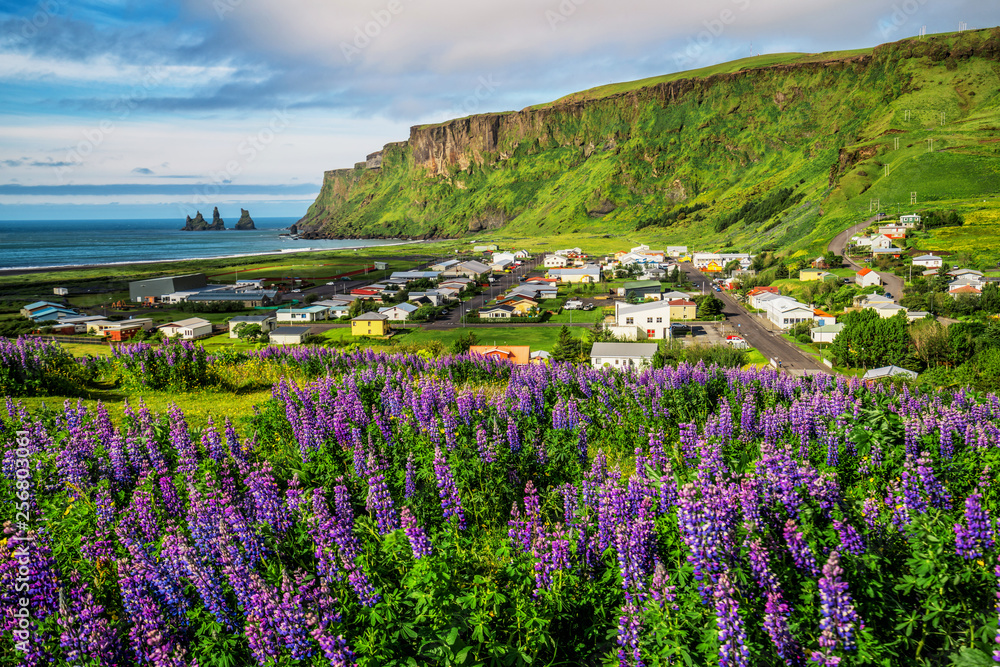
(756, 332)
(893, 283)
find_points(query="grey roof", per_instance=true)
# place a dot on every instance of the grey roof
(490, 309)
(371, 316)
(828, 328)
(887, 371)
(408, 307)
(290, 331)
(251, 295)
(252, 318)
(643, 350)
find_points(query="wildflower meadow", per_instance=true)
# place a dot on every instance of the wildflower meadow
(402, 510)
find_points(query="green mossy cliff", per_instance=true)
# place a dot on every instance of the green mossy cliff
(643, 154)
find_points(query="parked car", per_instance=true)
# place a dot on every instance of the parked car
(588, 306)
(573, 305)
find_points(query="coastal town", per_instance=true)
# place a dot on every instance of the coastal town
(638, 298)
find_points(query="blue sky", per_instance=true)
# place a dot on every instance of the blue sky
(118, 108)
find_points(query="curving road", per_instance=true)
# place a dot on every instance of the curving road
(757, 332)
(893, 283)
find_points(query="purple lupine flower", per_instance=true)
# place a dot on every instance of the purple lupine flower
(732, 637)
(380, 501)
(267, 505)
(419, 542)
(635, 544)
(937, 494)
(802, 553)
(411, 477)
(976, 537)
(550, 551)
(629, 627)
(839, 620)
(451, 502)
(660, 588)
(776, 613)
(850, 539)
(86, 633)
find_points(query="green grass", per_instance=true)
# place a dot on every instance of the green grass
(539, 338)
(755, 358)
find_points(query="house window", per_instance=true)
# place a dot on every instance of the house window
(659, 320)
(628, 320)
(649, 320)
(651, 333)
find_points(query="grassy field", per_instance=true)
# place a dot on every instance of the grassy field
(539, 338)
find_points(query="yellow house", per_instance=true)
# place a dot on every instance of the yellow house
(370, 324)
(521, 306)
(713, 267)
(807, 275)
(682, 309)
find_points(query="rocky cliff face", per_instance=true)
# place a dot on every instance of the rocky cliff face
(622, 158)
(245, 222)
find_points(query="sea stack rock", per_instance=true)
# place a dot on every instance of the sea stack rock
(198, 224)
(217, 222)
(246, 222)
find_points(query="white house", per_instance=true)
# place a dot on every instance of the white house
(622, 355)
(888, 371)
(400, 312)
(887, 310)
(677, 250)
(496, 312)
(470, 269)
(312, 313)
(784, 311)
(867, 278)
(825, 333)
(555, 261)
(909, 221)
(288, 335)
(881, 242)
(652, 317)
(862, 241)
(504, 256)
(590, 273)
(927, 261)
(189, 329)
(501, 265)
(267, 323)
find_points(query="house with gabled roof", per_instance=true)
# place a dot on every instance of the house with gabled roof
(370, 324)
(519, 355)
(867, 278)
(928, 261)
(498, 312)
(400, 312)
(622, 355)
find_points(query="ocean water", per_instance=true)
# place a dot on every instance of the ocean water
(37, 243)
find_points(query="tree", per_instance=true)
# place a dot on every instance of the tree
(709, 307)
(567, 348)
(675, 275)
(424, 313)
(464, 342)
(248, 332)
(781, 272)
(361, 306)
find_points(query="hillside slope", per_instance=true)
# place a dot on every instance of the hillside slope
(780, 152)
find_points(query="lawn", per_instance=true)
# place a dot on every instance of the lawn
(539, 338)
(578, 316)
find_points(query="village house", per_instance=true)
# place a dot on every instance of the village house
(881, 242)
(370, 324)
(398, 313)
(676, 251)
(470, 269)
(555, 261)
(893, 231)
(928, 261)
(267, 323)
(652, 317)
(589, 273)
(189, 329)
(888, 252)
(754, 294)
(888, 372)
(441, 266)
(682, 310)
(909, 221)
(288, 335)
(519, 355)
(642, 289)
(807, 275)
(825, 333)
(867, 278)
(622, 355)
(314, 313)
(822, 318)
(497, 312)
(959, 290)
